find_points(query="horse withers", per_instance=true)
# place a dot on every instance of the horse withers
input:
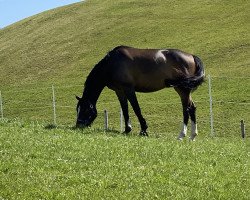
(127, 70)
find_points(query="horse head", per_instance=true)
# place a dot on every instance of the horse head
(86, 113)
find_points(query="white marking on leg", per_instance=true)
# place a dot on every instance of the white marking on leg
(183, 132)
(194, 130)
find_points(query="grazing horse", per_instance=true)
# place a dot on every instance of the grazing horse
(127, 70)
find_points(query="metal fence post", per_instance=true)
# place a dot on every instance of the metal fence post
(211, 105)
(1, 105)
(54, 104)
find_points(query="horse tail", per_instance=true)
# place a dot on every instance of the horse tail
(199, 77)
(190, 82)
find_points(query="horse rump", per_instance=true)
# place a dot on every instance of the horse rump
(190, 82)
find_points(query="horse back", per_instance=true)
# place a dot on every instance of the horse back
(155, 58)
(148, 69)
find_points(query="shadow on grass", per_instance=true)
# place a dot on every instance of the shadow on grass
(50, 126)
(88, 130)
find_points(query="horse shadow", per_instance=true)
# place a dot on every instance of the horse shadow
(86, 131)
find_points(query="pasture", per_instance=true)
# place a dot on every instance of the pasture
(63, 163)
(59, 48)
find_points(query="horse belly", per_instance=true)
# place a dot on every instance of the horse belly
(151, 83)
(149, 79)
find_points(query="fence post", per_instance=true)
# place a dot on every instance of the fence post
(211, 105)
(243, 130)
(121, 120)
(54, 104)
(106, 120)
(1, 105)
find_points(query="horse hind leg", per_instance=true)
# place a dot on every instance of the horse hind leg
(186, 102)
(192, 113)
(183, 132)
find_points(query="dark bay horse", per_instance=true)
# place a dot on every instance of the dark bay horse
(127, 70)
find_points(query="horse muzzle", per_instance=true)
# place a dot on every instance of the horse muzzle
(82, 123)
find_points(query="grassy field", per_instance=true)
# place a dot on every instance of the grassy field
(63, 163)
(59, 47)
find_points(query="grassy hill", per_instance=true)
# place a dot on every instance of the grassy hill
(61, 46)
(63, 42)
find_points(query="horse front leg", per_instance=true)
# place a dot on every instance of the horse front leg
(130, 93)
(124, 105)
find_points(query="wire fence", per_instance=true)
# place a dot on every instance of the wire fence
(221, 107)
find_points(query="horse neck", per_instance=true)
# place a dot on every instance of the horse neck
(94, 84)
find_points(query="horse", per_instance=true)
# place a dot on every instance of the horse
(127, 70)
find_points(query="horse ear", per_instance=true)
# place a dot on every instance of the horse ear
(78, 98)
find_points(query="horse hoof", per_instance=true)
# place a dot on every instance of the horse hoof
(181, 136)
(192, 137)
(128, 129)
(143, 133)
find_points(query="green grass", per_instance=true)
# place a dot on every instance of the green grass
(63, 163)
(59, 47)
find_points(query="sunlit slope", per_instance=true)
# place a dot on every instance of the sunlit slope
(61, 45)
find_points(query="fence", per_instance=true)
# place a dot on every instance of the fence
(218, 113)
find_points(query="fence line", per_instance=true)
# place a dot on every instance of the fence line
(149, 116)
(29, 102)
(41, 88)
(235, 77)
(26, 90)
(233, 102)
(116, 102)
(37, 107)
(55, 104)
(76, 85)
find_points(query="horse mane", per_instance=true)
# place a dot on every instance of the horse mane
(97, 69)
(95, 79)
(93, 74)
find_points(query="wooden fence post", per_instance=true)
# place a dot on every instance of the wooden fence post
(243, 129)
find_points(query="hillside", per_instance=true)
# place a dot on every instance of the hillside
(60, 47)
(63, 42)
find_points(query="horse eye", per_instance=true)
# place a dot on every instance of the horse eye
(91, 106)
